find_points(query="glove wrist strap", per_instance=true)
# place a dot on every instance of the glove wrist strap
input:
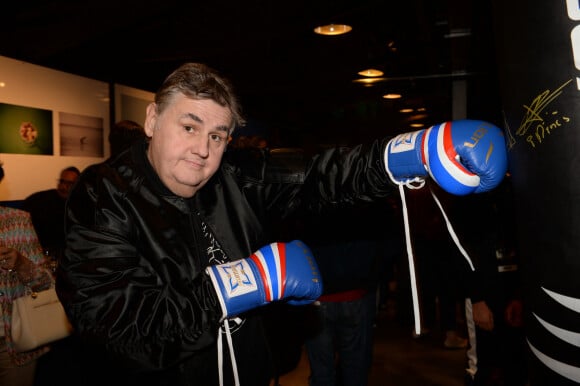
(404, 158)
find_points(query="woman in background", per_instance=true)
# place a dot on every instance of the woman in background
(21, 267)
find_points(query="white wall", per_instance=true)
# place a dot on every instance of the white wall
(29, 85)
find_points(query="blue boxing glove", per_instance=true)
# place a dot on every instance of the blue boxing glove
(274, 272)
(463, 157)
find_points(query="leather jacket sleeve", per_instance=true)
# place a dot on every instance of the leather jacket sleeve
(290, 180)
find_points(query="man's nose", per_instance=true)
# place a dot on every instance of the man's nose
(200, 146)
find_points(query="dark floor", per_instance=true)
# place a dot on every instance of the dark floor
(401, 360)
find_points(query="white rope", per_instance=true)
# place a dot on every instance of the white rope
(452, 232)
(412, 274)
(220, 353)
(228, 334)
(414, 183)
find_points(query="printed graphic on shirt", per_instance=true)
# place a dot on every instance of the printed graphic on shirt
(214, 250)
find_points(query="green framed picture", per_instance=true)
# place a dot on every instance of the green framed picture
(25, 130)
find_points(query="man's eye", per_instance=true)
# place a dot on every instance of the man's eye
(217, 138)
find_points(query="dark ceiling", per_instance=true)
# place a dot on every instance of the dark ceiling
(292, 82)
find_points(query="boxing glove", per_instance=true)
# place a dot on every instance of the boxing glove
(463, 156)
(277, 271)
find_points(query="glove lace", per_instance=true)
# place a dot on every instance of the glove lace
(227, 332)
(412, 273)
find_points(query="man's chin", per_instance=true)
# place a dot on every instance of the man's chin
(191, 187)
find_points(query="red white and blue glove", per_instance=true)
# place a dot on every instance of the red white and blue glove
(463, 156)
(277, 271)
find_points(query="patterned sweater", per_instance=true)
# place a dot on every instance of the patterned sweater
(17, 231)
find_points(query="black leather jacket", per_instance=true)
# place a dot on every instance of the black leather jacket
(132, 276)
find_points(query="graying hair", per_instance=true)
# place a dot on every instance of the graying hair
(199, 81)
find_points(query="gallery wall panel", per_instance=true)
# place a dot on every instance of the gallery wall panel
(26, 91)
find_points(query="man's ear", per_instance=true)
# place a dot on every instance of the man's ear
(150, 119)
(228, 143)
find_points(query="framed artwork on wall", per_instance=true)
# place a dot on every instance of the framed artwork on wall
(81, 135)
(25, 130)
(131, 103)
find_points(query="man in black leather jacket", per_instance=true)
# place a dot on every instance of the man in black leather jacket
(142, 229)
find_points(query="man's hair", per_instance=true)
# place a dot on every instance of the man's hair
(71, 169)
(123, 134)
(198, 81)
(1, 172)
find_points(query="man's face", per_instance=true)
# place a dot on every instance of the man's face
(188, 140)
(65, 183)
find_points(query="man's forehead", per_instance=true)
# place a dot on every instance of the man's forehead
(205, 110)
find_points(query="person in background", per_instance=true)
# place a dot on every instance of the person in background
(169, 266)
(252, 141)
(392, 252)
(46, 209)
(123, 134)
(494, 308)
(21, 267)
(348, 248)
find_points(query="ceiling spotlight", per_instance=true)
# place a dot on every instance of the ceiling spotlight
(417, 124)
(371, 72)
(392, 96)
(418, 117)
(333, 29)
(368, 80)
(405, 111)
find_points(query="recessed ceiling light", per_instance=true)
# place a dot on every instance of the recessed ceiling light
(392, 96)
(368, 80)
(333, 29)
(417, 124)
(406, 111)
(418, 117)
(371, 72)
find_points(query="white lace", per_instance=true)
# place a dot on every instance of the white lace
(228, 335)
(418, 183)
(452, 232)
